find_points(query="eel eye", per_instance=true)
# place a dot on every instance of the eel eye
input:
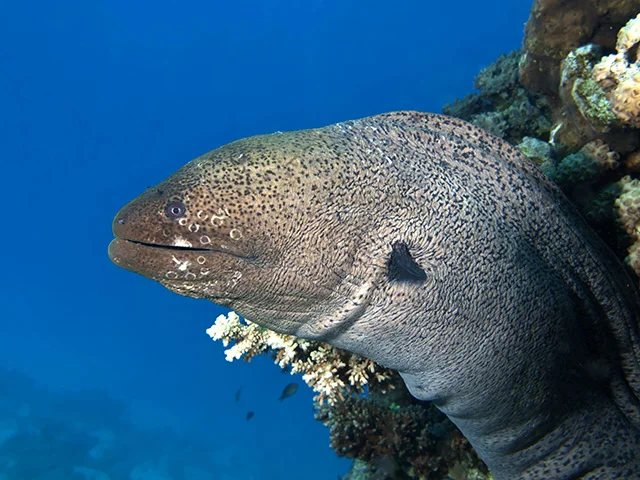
(175, 210)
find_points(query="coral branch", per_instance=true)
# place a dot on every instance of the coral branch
(332, 373)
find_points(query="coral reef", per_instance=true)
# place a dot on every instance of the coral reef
(580, 87)
(583, 112)
(540, 152)
(585, 165)
(596, 122)
(590, 178)
(503, 106)
(414, 441)
(619, 75)
(330, 372)
(600, 95)
(628, 207)
(370, 414)
(596, 96)
(537, 150)
(585, 132)
(632, 162)
(555, 27)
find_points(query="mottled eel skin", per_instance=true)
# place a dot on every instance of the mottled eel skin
(431, 247)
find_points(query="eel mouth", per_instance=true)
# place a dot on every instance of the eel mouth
(169, 247)
(135, 250)
(222, 249)
(153, 260)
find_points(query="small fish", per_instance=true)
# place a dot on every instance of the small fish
(288, 391)
(238, 394)
(250, 415)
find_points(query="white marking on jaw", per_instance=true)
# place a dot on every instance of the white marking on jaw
(182, 222)
(194, 227)
(235, 234)
(181, 242)
(182, 265)
(205, 240)
(201, 215)
(201, 260)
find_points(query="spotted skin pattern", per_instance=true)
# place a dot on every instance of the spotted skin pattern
(523, 328)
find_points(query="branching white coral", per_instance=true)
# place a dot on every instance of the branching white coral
(330, 372)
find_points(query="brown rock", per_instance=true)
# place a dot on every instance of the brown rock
(555, 27)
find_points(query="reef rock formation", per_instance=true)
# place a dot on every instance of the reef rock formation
(412, 441)
(592, 96)
(556, 27)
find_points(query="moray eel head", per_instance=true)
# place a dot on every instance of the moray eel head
(228, 225)
(161, 237)
(184, 236)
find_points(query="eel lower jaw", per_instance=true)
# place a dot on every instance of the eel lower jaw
(174, 263)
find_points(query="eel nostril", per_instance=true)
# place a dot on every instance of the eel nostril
(121, 221)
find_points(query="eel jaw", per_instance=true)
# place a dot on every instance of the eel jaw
(170, 264)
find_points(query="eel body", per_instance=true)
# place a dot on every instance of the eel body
(432, 248)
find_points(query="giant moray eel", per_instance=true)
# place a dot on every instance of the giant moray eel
(431, 247)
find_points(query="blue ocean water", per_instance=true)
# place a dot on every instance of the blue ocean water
(99, 100)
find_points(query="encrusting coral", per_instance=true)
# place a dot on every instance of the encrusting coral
(619, 75)
(585, 165)
(332, 373)
(411, 441)
(556, 27)
(592, 95)
(628, 207)
(604, 89)
(584, 112)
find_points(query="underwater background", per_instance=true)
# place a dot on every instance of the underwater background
(99, 100)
